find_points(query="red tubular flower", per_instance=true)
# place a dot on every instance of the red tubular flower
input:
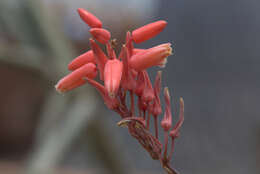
(112, 76)
(166, 122)
(89, 18)
(139, 84)
(74, 79)
(81, 60)
(77, 84)
(100, 57)
(155, 56)
(128, 81)
(148, 31)
(138, 50)
(100, 34)
(157, 109)
(148, 93)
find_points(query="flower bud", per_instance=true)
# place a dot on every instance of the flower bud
(128, 81)
(77, 84)
(157, 109)
(74, 79)
(138, 90)
(148, 31)
(82, 60)
(148, 92)
(155, 56)
(166, 122)
(112, 76)
(100, 34)
(89, 18)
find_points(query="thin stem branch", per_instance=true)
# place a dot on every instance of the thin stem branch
(165, 145)
(156, 126)
(132, 102)
(172, 150)
(148, 120)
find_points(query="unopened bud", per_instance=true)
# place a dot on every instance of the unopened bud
(112, 76)
(166, 122)
(89, 18)
(81, 60)
(74, 79)
(100, 34)
(148, 31)
(148, 91)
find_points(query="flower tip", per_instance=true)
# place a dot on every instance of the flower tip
(163, 23)
(89, 18)
(59, 89)
(148, 31)
(166, 92)
(111, 94)
(75, 78)
(181, 101)
(80, 11)
(167, 47)
(163, 63)
(155, 56)
(100, 34)
(70, 67)
(168, 52)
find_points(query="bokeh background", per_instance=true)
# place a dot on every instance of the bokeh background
(215, 67)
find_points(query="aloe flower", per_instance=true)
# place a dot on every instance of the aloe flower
(127, 73)
(76, 78)
(156, 56)
(148, 31)
(87, 57)
(112, 76)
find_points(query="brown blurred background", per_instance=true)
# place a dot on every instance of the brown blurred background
(215, 68)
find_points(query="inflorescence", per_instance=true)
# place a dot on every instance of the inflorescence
(127, 74)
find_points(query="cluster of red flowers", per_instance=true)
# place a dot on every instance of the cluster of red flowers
(127, 73)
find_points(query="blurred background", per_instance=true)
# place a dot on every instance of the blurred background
(215, 68)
